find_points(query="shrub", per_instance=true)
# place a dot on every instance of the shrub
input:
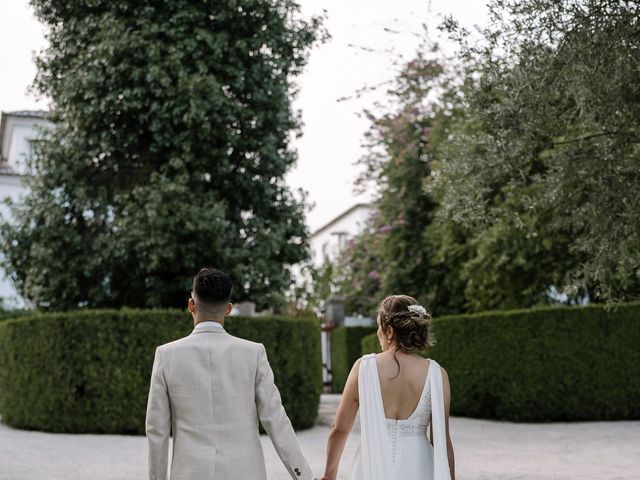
(345, 350)
(370, 344)
(545, 364)
(9, 314)
(89, 371)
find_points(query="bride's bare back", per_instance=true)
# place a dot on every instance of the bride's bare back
(401, 391)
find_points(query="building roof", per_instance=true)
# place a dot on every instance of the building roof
(28, 113)
(341, 216)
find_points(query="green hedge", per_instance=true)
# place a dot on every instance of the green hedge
(547, 364)
(370, 344)
(345, 350)
(9, 314)
(89, 371)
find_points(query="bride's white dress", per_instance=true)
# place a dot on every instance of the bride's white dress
(399, 449)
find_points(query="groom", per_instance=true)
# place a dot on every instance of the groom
(209, 390)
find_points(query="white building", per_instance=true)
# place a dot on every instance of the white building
(328, 241)
(16, 131)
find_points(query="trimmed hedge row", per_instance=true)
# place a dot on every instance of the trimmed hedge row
(89, 371)
(345, 349)
(9, 314)
(546, 364)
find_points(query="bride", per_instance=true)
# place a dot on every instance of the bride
(400, 396)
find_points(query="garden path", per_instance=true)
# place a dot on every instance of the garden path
(484, 450)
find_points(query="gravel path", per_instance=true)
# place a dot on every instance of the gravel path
(484, 450)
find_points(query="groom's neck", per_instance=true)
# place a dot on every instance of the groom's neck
(208, 319)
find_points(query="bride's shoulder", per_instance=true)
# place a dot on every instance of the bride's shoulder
(443, 371)
(367, 357)
(358, 362)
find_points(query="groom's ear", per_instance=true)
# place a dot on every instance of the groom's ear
(191, 306)
(228, 309)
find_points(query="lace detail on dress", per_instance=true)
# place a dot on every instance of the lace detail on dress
(414, 426)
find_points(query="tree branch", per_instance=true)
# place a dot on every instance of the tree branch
(595, 135)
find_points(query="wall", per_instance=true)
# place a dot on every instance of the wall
(329, 241)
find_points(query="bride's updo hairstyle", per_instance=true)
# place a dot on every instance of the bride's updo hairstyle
(411, 327)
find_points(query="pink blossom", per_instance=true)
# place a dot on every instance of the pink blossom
(426, 132)
(374, 275)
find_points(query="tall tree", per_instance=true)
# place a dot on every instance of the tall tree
(173, 120)
(548, 151)
(394, 256)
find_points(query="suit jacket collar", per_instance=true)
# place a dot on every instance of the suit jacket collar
(208, 327)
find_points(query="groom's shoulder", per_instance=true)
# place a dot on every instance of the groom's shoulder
(244, 343)
(174, 344)
(246, 348)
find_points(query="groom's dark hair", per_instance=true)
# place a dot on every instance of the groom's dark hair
(212, 288)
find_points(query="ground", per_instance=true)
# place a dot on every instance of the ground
(484, 450)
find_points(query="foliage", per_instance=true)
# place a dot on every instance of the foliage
(505, 266)
(544, 166)
(370, 344)
(9, 314)
(315, 285)
(173, 121)
(345, 350)
(531, 172)
(543, 364)
(444, 264)
(392, 255)
(89, 371)
(359, 263)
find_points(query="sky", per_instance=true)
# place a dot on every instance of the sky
(367, 38)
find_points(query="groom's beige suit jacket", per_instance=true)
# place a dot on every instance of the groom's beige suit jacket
(209, 390)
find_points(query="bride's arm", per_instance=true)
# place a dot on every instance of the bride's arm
(343, 423)
(447, 401)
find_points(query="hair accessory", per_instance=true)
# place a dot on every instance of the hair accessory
(419, 309)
